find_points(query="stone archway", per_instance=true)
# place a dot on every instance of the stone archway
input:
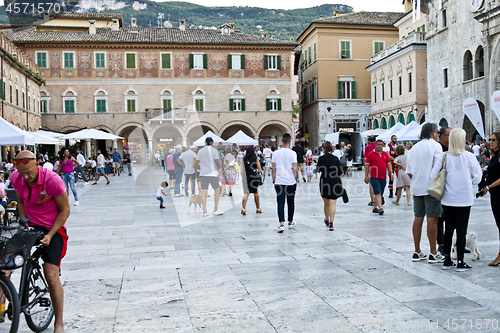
(135, 143)
(271, 134)
(197, 131)
(165, 137)
(233, 129)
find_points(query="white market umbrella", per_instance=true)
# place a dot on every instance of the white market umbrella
(387, 134)
(201, 141)
(241, 139)
(408, 128)
(376, 132)
(11, 135)
(89, 134)
(414, 134)
(42, 139)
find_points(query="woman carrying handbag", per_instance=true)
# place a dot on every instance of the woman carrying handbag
(461, 172)
(250, 172)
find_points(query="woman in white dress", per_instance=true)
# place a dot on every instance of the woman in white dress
(404, 180)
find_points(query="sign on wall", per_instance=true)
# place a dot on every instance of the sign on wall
(472, 111)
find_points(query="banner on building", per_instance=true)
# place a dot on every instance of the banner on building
(472, 111)
(495, 103)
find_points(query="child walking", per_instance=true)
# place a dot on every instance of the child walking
(309, 170)
(159, 193)
(315, 170)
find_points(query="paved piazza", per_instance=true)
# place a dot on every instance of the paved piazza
(132, 267)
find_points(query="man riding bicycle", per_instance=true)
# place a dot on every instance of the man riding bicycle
(41, 195)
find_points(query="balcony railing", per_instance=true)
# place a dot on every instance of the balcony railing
(416, 37)
(160, 114)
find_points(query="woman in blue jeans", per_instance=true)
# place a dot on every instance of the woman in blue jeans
(68, 172)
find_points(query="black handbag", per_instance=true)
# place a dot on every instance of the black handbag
(345, 198)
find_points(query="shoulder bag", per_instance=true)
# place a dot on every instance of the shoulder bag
(436, 188)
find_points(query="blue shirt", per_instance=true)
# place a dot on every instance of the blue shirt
(175, 157)
(116, 157)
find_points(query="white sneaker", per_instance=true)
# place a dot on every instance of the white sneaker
(86, 183)
(178, 195)
(281, 228)
(205, 214)
(218, 212)
(77, 203)
(435, 258)
(291, 225)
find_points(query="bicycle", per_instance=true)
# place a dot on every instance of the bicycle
(33, 299)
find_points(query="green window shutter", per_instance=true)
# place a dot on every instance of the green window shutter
(2, 95)
(230, 61)
(100, 60)
(309, 59)
(231, 105)
(315, 56)
(266, 62)
(42, 60)
(101, 105)
(305, 58)
(130, 60)
(243, 104)
(242, 61)
(11, 94)
(167, 105)
(279, 104)
(279, 62)
(191, 61)
(131, 105)
(69, 106)
(165, 61)
(17, 97)
(268, 104)
(23, 101)
(353, 89)
(205, 61)
(339, 84)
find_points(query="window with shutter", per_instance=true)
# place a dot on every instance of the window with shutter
(345, 49)
(100, 60)
(17, 97)
(100, 105)
(309, 59)
(199, 105)
(131, 105)
(130, 61)
(268, 104)
(69, 106)
(205, 61)
(243, 104)
(266, 62)
(2, 86)
(198, 61)
(230, 61)
(314, 50)
(279, 104)
(353, 89)
(278, 62)
(23, 101)
(242, 61)
(378, 46)
(236, 62)
(165, 61)
(69, 60)
(305, 58)
(11, 93)
(41, 59)
(167, 108)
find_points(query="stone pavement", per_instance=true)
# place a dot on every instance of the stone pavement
(132, 267)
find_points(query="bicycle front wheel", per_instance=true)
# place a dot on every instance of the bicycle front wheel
(8, 294)
(37, 306)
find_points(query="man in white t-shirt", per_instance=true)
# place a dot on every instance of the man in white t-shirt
(189, 172)
(285, 177)
(476, 151)
(267, 154)
(79, 168)
(207, 161)
(100, 168)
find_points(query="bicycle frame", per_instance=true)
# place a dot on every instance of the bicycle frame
(32, 261)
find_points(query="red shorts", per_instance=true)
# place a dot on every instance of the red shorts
(56, 250)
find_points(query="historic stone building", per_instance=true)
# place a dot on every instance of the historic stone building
(463, 41)
(398, 75)
(19, 89)
(335, 88)
(164, 86)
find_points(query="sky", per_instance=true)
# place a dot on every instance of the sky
(358, 5)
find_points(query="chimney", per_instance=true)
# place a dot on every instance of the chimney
(46, 16)
(263, 34)
(115, 26)
(291, 39)
(337, 13)
(321, 16)
(92, 29)
(272, 37)
(182, 25)
(133, 22)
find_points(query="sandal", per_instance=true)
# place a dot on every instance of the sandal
(493, 263)
(375, 210)
(381, 211)
(259, 211)
(243, 212)
(396, 203)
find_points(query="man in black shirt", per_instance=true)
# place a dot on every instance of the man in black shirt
(299, 150)
(444, 136)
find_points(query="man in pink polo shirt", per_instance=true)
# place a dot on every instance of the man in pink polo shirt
(41, 195)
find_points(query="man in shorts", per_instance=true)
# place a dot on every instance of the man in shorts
(267, 154)
(377, 164)
(368, 150)
(100, 168)
(117, 159)
(42, 196)
(420, 161)
(207, 161)
(299, 150)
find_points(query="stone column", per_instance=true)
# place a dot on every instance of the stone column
(150, 149)
(115, 144)
(184, 142)
(88, 145)
(257, 139)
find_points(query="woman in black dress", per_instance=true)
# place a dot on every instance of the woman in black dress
(330, 184)
(250, 171)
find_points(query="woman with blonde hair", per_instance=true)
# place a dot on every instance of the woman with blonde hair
(462, 172)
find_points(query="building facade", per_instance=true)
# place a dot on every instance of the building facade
(335, 88)
(398, 76)
(161, 86)
(19, 90)
(463, 41)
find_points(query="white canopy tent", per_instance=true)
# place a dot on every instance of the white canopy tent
(387, 134)
(401, 134)
(375, 132)
(241, 139)
(201, 141)
(11, 135)
(414, 134)
(89, 134)
(43, 139)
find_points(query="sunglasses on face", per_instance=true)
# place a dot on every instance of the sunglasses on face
(25, 160)
(493, 140)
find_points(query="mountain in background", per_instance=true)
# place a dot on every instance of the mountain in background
(283, 24)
